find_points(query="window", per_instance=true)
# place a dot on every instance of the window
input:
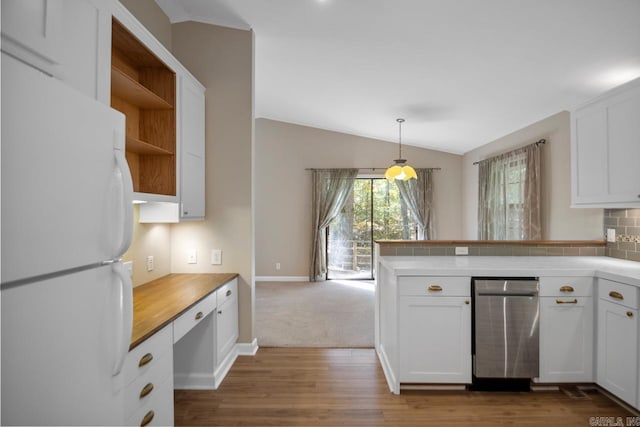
(373, 212)
(509, 196)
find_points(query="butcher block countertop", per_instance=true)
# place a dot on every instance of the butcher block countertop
(161, 301)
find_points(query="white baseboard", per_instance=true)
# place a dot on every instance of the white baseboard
(223, 368)
(248, 348)
(282, 278)
(193, 381)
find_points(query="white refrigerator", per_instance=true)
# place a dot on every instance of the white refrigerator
(66, 298)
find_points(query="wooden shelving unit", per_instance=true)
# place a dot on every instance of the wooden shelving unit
(125, 87)
(143, 88)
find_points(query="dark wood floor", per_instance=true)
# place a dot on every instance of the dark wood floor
(333, 387)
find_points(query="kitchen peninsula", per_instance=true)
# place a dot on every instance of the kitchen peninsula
(588, 316)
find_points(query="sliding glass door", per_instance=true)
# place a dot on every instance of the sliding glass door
(374, 212)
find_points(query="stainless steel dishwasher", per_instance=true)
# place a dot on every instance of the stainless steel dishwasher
(506, 321)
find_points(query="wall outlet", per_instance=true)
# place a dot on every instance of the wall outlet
(611, 234)
(277, 266)
(150, 265)
(216, 256)
(192, 257)
(129, 267)
(462, 250)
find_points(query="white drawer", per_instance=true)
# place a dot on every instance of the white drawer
(146, 386)
(159, 408)
(193, 316)
(145, 356)
(227, 291)
(435, 286)
(618, 293)
(566, 286)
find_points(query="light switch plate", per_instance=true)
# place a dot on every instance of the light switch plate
(611, 234)
(129, 267)
(216, 256)
(192, 257)
(150, 263)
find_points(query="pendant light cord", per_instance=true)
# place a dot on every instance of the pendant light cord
(400, 121)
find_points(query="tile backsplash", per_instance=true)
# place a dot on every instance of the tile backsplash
(626, 222)
(425, 248)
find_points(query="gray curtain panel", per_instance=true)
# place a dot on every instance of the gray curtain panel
(417, 195)
(330, 190)
(509, 196)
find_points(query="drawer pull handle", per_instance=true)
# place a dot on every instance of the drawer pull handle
(199, 315)
(616, 295)
(435, 288)
(629, 313)
(147, 419)
(573, 301)
(229, 293)
(145, 360)
(566, 288)
(146, 390)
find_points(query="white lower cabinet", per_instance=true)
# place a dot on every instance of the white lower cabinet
(566, 330)
(617, 367)
(148, 370)
(435, 331)
(227, 321)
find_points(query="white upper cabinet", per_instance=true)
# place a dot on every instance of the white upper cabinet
(605, 148)
(31, 32)
(191, 140)
(68, 39)
(192, 196)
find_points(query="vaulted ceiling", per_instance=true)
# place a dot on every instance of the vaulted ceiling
(461, 72)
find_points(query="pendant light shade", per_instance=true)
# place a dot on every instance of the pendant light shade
(400, 170)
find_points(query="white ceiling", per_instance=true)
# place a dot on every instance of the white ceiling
(461, 72)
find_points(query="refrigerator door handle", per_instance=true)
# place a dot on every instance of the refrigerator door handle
(127, 196)
(124, 316)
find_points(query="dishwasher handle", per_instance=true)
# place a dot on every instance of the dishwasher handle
(506, 294)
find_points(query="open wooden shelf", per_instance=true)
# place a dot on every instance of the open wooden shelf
(143, 88)
(125, 87)
(141, 147)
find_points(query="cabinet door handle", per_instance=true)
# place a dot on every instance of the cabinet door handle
(229, 293)
(199, 315)
(146, 390)
(573, 301)
(145, 360)
(467, 302)
(616, 295)
(629, 313)
(147, 419)
(435, 288)
(566, 288)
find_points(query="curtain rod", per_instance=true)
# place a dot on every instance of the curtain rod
(542, 141)
(373, 169)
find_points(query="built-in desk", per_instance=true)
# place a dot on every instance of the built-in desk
(185, 328)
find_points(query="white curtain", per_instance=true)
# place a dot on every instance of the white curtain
(331, 188)
(509, 196)
(417, 195)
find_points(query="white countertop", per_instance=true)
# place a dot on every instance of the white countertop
(507, 266)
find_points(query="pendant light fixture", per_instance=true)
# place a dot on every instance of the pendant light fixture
(400, 170)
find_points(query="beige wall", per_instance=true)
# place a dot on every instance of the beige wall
(152, 17)
(222, 60)
(149, 239)
(559, 221)
(283, 202)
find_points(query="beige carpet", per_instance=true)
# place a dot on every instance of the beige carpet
(335, 313)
